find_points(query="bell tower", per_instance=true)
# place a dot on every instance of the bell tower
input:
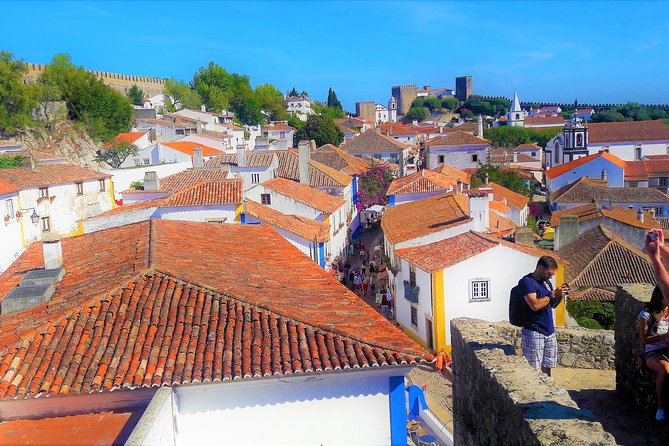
(516, 115)
(392, 109)
(575, 139)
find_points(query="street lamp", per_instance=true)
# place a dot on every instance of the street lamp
(34, 218)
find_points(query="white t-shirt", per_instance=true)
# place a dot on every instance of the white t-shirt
(662, 328)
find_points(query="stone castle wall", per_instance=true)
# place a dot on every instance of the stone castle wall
(499, 399)
(121, 82)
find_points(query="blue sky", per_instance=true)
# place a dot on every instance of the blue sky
(550, 51)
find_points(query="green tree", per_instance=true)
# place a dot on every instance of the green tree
(512, 136)
(296, 122)
(332, 113)
(504, 177)
(373, 185)
(17, 100)
(333, 101)
(293, 92)
(181, 96)
(136, 95)
(450, 103)
(117, 153)
(271, 100)
(417, 113)
(432, 103)
(220, 89)
(321, 129)
(10, 162)
(103, 111)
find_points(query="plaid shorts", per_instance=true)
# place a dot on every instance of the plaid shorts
(539, 350)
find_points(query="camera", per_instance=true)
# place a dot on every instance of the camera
(652, 236)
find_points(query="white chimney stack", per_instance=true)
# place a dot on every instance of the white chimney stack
(198, 161)
(151, 181)
(304, 150)
(479, 210)
(480, 127)
(53, 251)
(639, 215)
(241, 156)
(203, 108)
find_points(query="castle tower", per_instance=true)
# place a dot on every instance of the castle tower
(516, 115)
(392, 109)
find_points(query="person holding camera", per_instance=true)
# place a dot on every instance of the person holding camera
(538, 340)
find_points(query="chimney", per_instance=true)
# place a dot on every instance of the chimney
(487, 178)
(198, 162)
(198, 127)
(567, 231)
(479, 208)
(458, 188)
(304, 148)
(53, 251)
(414, 122)
(262, 143)
(151, 181)
(480, 127)
(203, 108)
(241, 156)
(524, 236)
(639, 215)
(427, 87)
(515, 156)
(604, 175)
(652, 213)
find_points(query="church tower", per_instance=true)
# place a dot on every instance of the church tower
(392, 109)
(575, 139)
(516, 115)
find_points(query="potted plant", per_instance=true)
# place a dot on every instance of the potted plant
(19, 214)
(7, 217)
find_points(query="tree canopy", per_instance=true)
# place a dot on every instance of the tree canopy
(512, 136)
(321, 129)
(272, 102)
(504, 177)
(333, 101)
(330, 112)
(373, 185)
(117, 153)
(417, 113)
(293, 92)
(136, 95)
(450, 103)
(17, 100)
(631, 111)
(487, 107)
(181, 95)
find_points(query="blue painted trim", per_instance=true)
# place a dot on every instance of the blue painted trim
(355, 190)
(321, 255)
(242, 218)
(398, 414)
(391, 200)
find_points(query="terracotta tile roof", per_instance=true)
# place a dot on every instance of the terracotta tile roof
(457, 138)
(279, 126)
(501, 226)
(304, 227)
(556, 171)
(369, 142)
(98, 428)
(417, 218)
(165, 123)
(498, 206)
(586, 190)
(624, 215)
(339, 159)
(208, 193)
(451, 251)
(320, 175)
(467, 127)
(521, 171)
(184, 180)
(132, 207)
(214, 134)
(454, 173)
(187, 147)
(260, 158)
(529, 148)
(192, 320)
(305, 194)
(599, 258)
(633, 131)
(130, 137)
(504, 155)
(645, 169)
(593, 294)
(46, 175)
(8, 188)
(545, 120)
(584, 213)
(501, 193)
(421, 181)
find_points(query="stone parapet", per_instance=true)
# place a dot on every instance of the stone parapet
(499, 399)
(635, 384)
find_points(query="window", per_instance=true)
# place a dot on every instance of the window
(412, 276)
(414, 316)
(534, 154)
(45, 223)
(179, 131)
(579, 140)
(659, 211)
(102, 185)
(255, 178)
(44, 192)
(265, 199)
(9, 208)
(282, 135)
(80, 188)
(478, 291)
(637, 153)
(146, 161)
(517, 116)
(441, 159)
(475, 158)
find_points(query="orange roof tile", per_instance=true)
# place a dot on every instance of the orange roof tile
(369, 142)
(528, 147)
(132, 207)
(498, 206)
(305, 194)
(633, 131)
(130, 137)
(184, 180)
(646, 169)
(545, 120)
(46, 175)
(279, 126)
(500, 193)
(591, 211)
(566, 167)
(456, 138)
(452, 172)
(8, 188)
(421, 217)
(208, 193)
(421, 181)
(195, 320)
(187, 147)
(336, 158)
(304, 227)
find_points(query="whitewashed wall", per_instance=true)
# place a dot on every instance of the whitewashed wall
(351, 408)
(403, 306)
(198, 213)
(283, 204)
(123, 177)
(10, 232)
(625, 151)
(408, 198)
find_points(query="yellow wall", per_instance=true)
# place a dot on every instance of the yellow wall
(560, 310)
(439, 311)
(238, 213)
(111, 193)
(23, 234)
(413, 335)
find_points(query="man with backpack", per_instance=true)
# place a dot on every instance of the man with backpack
(531, 307)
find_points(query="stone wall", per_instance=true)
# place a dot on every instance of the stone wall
(580, 348)
(632, 383)
(499, 399)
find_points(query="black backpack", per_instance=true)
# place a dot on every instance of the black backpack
(517, 306)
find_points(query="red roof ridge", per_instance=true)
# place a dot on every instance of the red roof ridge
(566, 167)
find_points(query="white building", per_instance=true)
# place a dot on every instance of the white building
(458, 149)
(299, 107)
(516, 115)
(380, 114)
(48, 198)
(375, 145)
(280, 135)
(177, 152)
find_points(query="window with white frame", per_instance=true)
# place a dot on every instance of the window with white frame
(414, 316)
(9, 208)
(45, 223)
(80, 188)
(265, 199)
(44, 192)
(479, 290)
(102, 185)
(255, 178)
